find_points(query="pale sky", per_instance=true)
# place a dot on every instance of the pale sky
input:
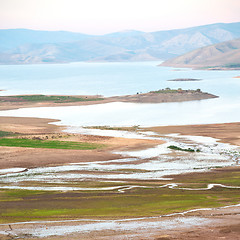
(105, 16)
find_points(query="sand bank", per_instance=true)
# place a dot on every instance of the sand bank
(226, 132)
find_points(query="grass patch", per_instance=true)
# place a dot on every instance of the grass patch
(6, 134)
(232, 65)
(15, 193)
(15, 142)
(220, 67)
(49, 98)
(169, 90)
(19, 194)
(136, 203)
(82, 184)
(220, 176)
(26, 205)
(183, 149)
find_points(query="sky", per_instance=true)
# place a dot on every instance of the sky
(105, 16)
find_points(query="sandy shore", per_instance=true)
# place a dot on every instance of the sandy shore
(29, 125)
(37, 127)
(227, 132)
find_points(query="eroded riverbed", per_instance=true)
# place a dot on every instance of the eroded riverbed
(146, 190)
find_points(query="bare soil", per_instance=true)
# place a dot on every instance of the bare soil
(29, 125)
(227, 132)
(40, 128)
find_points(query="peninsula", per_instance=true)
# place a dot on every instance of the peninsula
(159, 96)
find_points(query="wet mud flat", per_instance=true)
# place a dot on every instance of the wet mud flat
(164, 192)
(218, 223)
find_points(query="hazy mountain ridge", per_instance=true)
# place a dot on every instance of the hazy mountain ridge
(22, 46)
(225, 54)
(13, 38)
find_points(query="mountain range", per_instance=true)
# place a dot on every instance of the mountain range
(23, 46)
(221, 55)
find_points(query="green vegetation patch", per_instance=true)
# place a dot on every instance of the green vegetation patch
(226, 177)
(26, 205)
(134, 203)
(49, 98)
(222, 67)
(6, 134)
(183, 149)
(179, 90)
(81, 184)
(15, 142)
(20, 194)
(232, 65)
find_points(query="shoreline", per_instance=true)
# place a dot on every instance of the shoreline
(43, 128)
(200, 67)
(225, 132)
(159, 96)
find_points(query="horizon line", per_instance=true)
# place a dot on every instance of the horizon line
(125, 30)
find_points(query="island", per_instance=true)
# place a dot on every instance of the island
(184, 80)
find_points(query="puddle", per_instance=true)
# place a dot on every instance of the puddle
(12, 170)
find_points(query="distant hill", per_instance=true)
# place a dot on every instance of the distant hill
(22, 46)
(217, 56)
(13, 38)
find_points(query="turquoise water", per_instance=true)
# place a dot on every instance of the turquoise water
(111, 79)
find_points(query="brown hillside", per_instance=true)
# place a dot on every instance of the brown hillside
(218, 55)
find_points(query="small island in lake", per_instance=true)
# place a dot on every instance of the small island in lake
(184, 80)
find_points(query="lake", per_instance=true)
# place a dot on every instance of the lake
(111, 79)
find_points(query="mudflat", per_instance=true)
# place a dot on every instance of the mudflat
(226, 132)
(32, 128)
